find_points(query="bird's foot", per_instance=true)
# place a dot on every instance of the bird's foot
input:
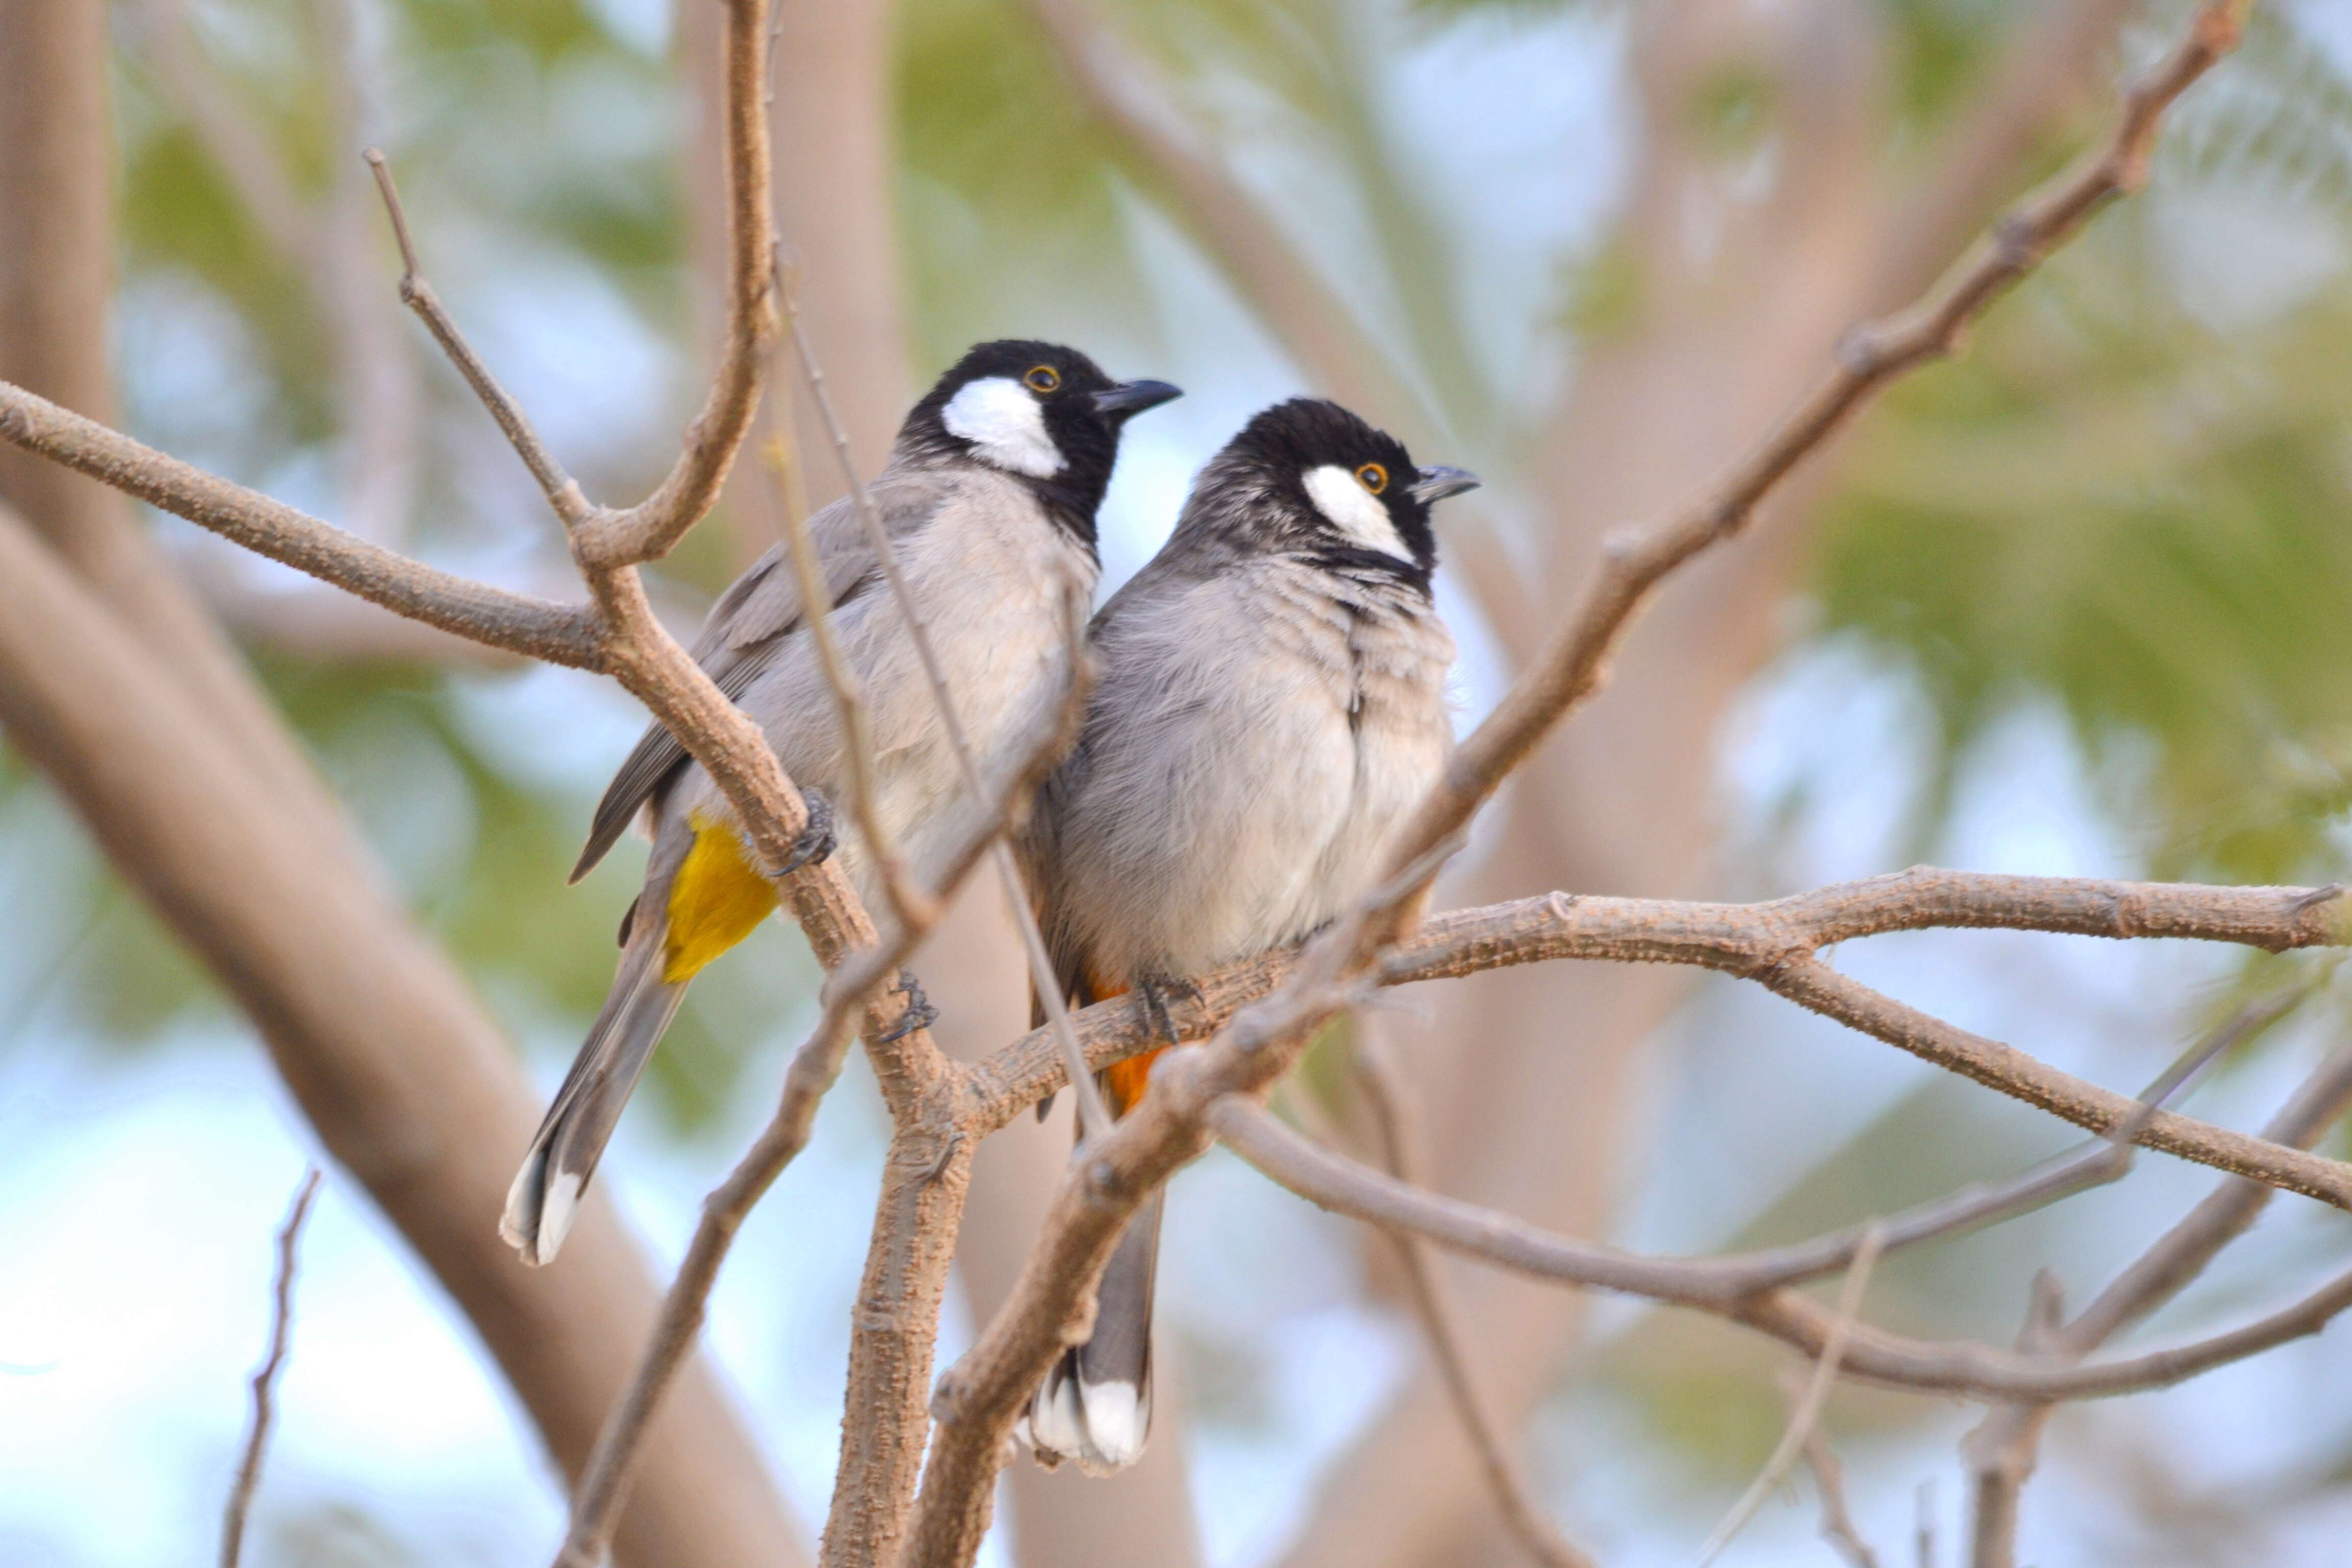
(817, 841)
(919, 1013)
(1156, 994)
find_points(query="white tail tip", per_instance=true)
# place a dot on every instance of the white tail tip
(538, 1212)
(1099, 1426)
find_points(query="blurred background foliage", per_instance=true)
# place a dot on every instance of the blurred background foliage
(2126, 508)
(2126, 499)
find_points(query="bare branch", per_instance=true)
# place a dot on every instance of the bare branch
(1717, 1287)
(563, 494)
(1574, 664)
(1814, 985)
(1773, 943)
(908, 903)
(1828, 1481)
(559, 634)
(2002, 1449)
(1376, 1076)
(265, 1377)
(1344, 1187)
(1803, 1420)
(648, 529)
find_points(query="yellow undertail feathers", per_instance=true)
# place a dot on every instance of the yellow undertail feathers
(717, 898)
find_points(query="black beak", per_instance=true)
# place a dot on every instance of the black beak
(1130, 398)
(1437, 484)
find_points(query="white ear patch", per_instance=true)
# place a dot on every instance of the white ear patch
(1353, 509)
(1005, 425)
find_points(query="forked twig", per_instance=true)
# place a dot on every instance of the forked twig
(2002, 1450)
(1808, 1412)
(265, 1377)
(1828, 1481)
(561, 491)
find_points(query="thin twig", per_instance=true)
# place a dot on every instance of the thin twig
(562, 492)
(2001, 1451)
(908, 903)
(1093, 1114)
(1723, 1288)
(265, 1377)
(1829, 1481)
(1803, 1419)
(1376, 1076)
(1575, 664)
(559, 634)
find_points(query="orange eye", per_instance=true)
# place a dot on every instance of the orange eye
(1373, 478)
(1044, 378)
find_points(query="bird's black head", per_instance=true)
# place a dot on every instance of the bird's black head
(1310, 477)
(1044, 413)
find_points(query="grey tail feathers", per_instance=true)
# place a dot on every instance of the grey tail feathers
(1095, 1407)
(563, 1154)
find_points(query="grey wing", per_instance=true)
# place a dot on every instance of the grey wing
(750, 621)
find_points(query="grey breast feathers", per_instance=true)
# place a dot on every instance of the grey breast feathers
(752, 621)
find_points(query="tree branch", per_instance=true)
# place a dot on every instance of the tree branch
(559, 634)
(1721, 1287)
(563, 494)
(1574, 666)
(1773, 943)
(2001, 1451)
(1377, 1076)
(265, 1378)
(1803, 1419)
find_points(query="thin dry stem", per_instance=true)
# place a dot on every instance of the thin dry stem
(562, 492)
(1383, 1091)
(908, 903)
(1093, 1114)
(1828, 1481)
(1804, 1419)
(265, 1377)
(2001, 1451)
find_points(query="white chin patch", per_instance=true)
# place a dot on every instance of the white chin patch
(1354, 511)
(1005, 425)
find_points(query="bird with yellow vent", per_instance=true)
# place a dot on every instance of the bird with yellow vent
(989, 499)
